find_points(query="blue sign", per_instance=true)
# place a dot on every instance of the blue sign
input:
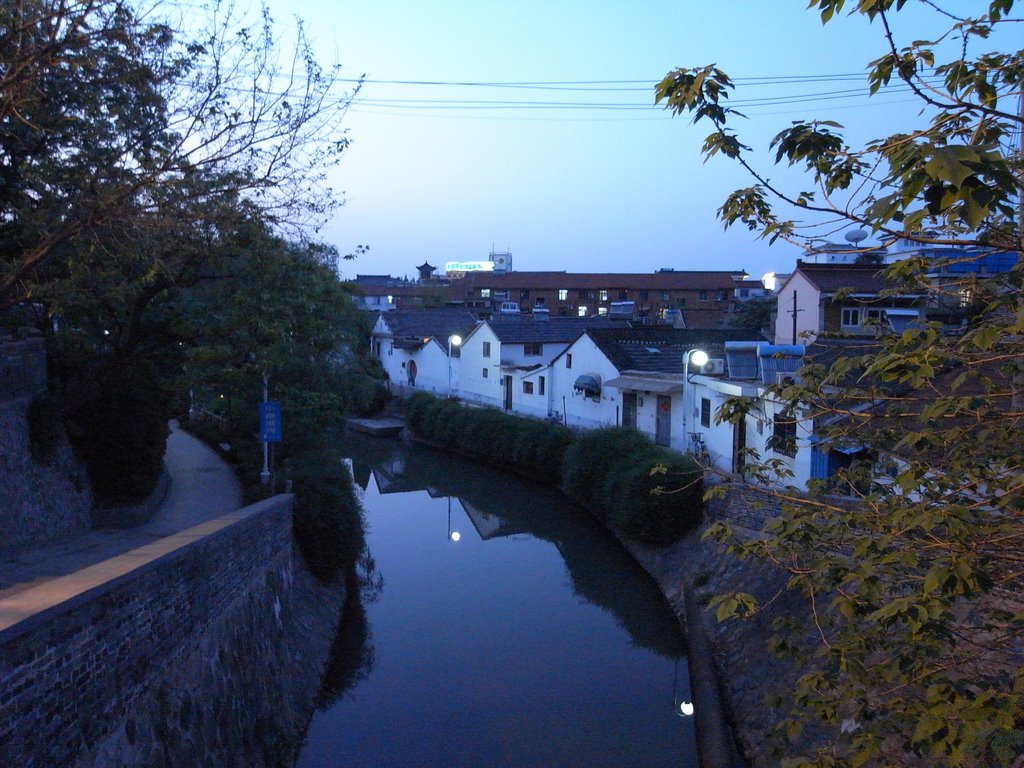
(270, 421)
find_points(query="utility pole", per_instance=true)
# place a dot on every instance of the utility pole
(793, 312)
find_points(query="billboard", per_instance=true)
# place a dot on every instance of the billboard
(468, 266)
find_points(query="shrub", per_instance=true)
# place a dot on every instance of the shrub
(589, 461)
(120, 429)
(643, 491)
(526, 446)
(659, 499)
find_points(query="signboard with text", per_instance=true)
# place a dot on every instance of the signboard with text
(270, 421)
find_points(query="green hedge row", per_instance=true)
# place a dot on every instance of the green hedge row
(526, 446)
(641, 490)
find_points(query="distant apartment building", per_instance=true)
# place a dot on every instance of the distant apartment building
(701, 299)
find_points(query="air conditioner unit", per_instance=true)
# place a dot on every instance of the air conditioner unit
(787, 379)
(714, 366)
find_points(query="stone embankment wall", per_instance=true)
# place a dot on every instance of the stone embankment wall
(39, 502)
(161, 665)
(749, 676)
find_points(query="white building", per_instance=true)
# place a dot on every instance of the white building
(506, 361)
(413, 348)
(632, 377)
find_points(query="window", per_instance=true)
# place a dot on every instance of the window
(527, 387)
(744, 293)
(875, 315)
(705, 412)
(850, 317)
(485, 293)
(487, 349)
(532, 349)
(540, 301)
(602, 311)
(568, 360)
(563, 294)
(720, 296)
(783, 439)
(581, 310)
(604, 295)
(484, 373)
(524, 294)
(540, 385)
(645, 295)
(702, 295)
(664, 295)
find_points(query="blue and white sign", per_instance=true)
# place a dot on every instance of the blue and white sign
(270, 421)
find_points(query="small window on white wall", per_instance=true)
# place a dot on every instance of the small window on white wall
(850, 317)
(705, 412)
(484, 373)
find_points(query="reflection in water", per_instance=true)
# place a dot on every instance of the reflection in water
(524, 509)
(491, 646)
(352, 654)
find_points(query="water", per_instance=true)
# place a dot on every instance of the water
(509, 630)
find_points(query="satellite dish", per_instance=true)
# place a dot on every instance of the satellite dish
(856, 235)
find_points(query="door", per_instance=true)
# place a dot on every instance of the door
(663, 421)
(739, 443)
(629, 409)
(508, 393)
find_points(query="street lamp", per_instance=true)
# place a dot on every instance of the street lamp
(700, 358)
(453, 341)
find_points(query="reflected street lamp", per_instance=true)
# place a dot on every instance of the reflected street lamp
(453, 341)
(700, 359)
(680, 706)
(452, 535)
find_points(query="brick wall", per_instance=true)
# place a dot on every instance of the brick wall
(70, 674)
(39, 503)
(744, 505)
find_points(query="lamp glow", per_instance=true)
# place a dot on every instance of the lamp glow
(685, 708)
(456, 535)
(699, 358)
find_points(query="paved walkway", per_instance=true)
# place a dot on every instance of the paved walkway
(202, 487)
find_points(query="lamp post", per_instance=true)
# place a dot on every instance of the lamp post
(700, 358)
(453, 341)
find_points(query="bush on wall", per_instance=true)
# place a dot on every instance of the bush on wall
(643, 491)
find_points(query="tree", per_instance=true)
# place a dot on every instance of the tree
(113, 122)
(913, 585)
(131, 153)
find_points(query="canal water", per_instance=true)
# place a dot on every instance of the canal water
(501, 627)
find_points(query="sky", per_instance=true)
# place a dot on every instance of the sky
(583, 173)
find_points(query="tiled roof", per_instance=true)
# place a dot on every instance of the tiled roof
(706, 319)
(858, 278)
(660, 349)
(665, 281)
(430, 323)
(556, 329)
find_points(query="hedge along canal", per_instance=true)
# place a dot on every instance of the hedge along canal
(510, 629)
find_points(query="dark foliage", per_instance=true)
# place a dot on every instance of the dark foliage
(642, 491)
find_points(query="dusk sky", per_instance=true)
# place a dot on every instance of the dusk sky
(574, 175)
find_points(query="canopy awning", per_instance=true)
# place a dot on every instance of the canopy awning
(658, 386)
(588, 384)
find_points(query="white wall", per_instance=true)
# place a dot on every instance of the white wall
(580, 411)
(759, 426)
(474, 387)
(809, 318)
